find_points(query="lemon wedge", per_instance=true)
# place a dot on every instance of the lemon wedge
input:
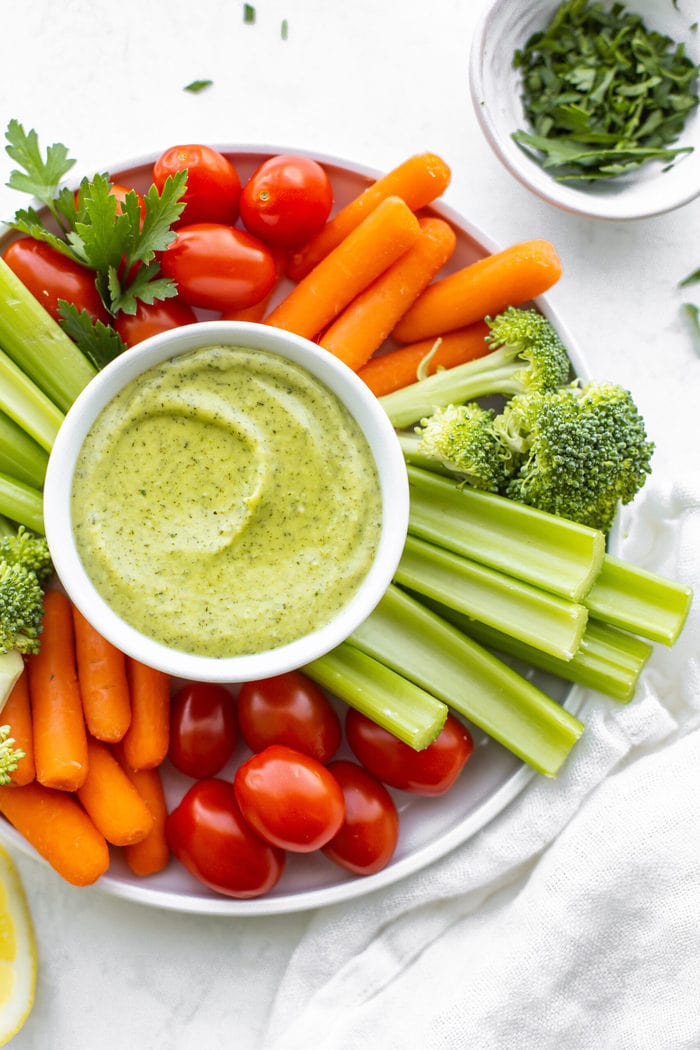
(17, 952)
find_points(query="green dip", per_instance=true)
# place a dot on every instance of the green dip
(226, 502)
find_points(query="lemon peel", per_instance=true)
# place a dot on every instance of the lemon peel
(18, 956)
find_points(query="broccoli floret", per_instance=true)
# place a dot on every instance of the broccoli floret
(9, 755)
(462, 438)
(21, 609)
(582, 450)
(28, 550)
(526, 355)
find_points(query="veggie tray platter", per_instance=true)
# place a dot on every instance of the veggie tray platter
(429, 826)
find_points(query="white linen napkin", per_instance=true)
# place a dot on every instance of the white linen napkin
(572, 920)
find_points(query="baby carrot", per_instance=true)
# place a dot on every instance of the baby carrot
(152, 853)
(102, 679)
(366, 322)
(484, 288)
(148, 736)
(418, 181)
(110, 799)
(59, 829)
(387, 232)
(398, 368)
(17, 714)
(60, 739)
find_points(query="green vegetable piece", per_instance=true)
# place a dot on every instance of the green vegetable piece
(21, 503)
(197, 86)
(602, 93)
(248, 14)
(380, 693)
(9, 754)
(462, 438)
(99, 342)
(20, 455)
(547, 551)
(541, 619)
(402, 633)
(27, 405)
(28, 550)
(639, 601)
(21, 609)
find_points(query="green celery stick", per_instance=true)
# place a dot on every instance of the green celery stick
(27, 405)
(402, 633)
(543, 549)
(398, 705)
(20, 455)
(608, 660)
(38, 344)
(535, 616)
(21, 503)
(639, 601)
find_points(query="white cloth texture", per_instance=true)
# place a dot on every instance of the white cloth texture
(572, 920)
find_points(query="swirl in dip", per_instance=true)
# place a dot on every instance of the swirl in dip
(226, 502)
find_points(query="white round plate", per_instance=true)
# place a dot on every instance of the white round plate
(429, 827)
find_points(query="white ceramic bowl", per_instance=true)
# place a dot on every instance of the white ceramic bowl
(503, 27)
(351, 391)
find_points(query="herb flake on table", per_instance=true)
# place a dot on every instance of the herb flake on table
(602, 93)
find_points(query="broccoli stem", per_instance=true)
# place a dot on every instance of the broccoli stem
(38, 345)
(608, 660)
(403, 708)
(544, 620)
(639, 601)
(495, 373)
(408, 637)
(21, 503)
(547, 551)
(20, 455)
(27, 405)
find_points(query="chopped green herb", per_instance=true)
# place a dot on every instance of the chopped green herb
(285, 29)
(198, 85)
(603, 93)
(248, 14)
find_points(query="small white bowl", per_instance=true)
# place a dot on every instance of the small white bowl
(350, 390)
(505, 26)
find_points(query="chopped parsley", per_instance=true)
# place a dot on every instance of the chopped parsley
(198, 85)
(602, 93)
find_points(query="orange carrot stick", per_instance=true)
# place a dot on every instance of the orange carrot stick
(148, 736)
(366, 322)
(59, 829)
(418, 181)
(60, 739)
(111, 800)
(152, 853)
(367, 251)
(398, 368)
(484, 288)
(103, 684)
(17, 714)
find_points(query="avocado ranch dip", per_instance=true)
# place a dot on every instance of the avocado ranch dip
(226, 502)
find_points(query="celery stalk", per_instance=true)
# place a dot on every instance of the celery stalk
(389, 699)
(402, 633)
(608, 660)
(21, 503)
(20, 456)
(639, 601)
(541, 619)
(38, 344)
(27, 405)
(547, 551)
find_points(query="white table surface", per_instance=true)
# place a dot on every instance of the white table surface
(373, 81)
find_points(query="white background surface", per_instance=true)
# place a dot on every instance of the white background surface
(372, 81)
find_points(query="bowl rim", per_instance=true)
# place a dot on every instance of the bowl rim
(628, 205)
(352, 392)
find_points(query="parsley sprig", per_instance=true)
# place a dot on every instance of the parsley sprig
(603, 93)
(118, 240)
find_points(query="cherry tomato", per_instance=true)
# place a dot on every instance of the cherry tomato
(289, 709)
(368, 835)
(49, 275)
(151, 318)
(289, 798)
(210, 838)
(218, 267)
(431, 771)
(286, 200)
(213, 184)
(203, 729)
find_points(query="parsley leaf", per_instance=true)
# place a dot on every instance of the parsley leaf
(98, 341)
(602, 93)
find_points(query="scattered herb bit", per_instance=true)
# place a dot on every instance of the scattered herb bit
(602, 92)
(285, 29)
(248, 14)
(693, 313)
(198, 85)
